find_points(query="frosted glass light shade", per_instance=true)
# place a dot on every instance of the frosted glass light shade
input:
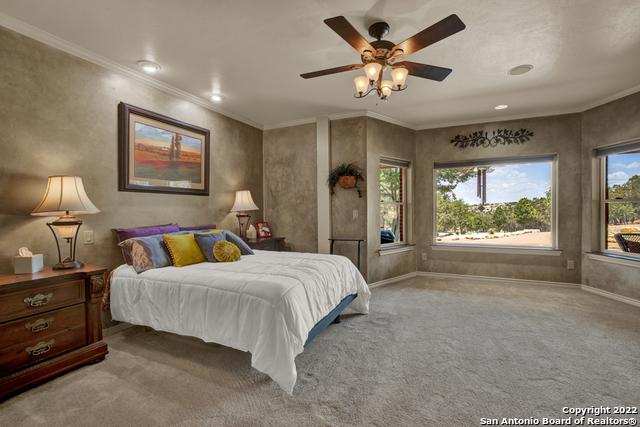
(244, 202)
(399, 75)
(372, 70)
(385, 87)
(65, 194)
(361, 82)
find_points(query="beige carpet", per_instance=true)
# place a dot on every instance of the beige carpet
(432, 352)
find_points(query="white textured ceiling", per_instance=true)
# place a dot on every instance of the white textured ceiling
(252, 52)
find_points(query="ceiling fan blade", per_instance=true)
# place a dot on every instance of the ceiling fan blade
(425, 71)
(438, 31)
(340, 25)
(331, 71)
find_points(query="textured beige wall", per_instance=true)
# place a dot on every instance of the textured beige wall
(290, 175)
(608, 124)
(558, 134)
(349, 145)
(388, 140)
(59, 116)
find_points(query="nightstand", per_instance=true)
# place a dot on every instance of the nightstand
(267, 244)
(49, 324)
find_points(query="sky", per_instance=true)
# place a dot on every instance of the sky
(622, 167)
(157, 134)
(509, 183)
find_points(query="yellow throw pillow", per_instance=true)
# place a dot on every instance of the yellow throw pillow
(216, 231)
(183, 249)
(224, 251)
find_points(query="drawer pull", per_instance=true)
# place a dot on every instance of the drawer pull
(41, 348)
(39, 325)
(38, 300)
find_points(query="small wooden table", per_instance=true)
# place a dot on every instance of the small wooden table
(268, 244)
(49, 324)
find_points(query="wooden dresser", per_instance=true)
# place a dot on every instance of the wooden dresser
(49, 324)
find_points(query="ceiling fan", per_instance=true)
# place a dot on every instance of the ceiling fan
(380, 54)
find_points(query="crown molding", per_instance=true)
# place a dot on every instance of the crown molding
(502, 118)
(49, 39)
(289, 123)
(611, 98)
(340, 116)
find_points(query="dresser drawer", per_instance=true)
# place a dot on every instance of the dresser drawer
(40, 325)
(37, 349)
(37, 299)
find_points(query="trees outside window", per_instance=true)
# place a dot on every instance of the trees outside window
(621, 203)
(393, 205)
(518, 210)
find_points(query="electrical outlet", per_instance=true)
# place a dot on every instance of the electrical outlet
(571, 264)
(355, 214)
(424, 256)
(88, 237)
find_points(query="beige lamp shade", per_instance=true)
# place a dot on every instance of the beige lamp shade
(65, 194)
(244, 202)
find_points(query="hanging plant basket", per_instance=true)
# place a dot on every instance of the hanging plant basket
(347, 182)
(347, 176)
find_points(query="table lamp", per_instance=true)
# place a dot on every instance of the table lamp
(65, 198)
(244, 202)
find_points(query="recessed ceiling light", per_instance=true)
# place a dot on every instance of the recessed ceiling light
(521, 69)
(216, 98)
(500, 107)
(149, 67)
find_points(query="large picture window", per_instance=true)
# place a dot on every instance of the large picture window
(394, 182)
(620, 201)
(503, 202)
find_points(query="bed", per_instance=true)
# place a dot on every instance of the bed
(270, 304)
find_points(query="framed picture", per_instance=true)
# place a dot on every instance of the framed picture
(158, 154)
(264, 229)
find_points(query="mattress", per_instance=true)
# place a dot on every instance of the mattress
(265, 303)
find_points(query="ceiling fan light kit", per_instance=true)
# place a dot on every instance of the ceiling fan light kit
(379, 55)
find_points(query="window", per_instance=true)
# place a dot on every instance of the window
(393, 182)
(620, 199)
(500, 202)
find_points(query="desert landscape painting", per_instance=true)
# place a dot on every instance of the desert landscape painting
(165, 155)
(161, 154)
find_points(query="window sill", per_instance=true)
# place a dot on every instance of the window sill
(398, 249)
(614, 259)
(497, 250)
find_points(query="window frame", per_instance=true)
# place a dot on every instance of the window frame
(405, 165)
(519, 249)
(602, 155)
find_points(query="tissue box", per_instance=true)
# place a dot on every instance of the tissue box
(28, 264)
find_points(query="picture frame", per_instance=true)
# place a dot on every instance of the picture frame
(159, 154)
(263, 229)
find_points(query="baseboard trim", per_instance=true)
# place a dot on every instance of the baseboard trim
(496, 279)
(610, 295)
(392, 280)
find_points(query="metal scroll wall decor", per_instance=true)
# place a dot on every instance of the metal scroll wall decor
(497, 137)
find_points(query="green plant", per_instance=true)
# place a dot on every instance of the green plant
(345, 169)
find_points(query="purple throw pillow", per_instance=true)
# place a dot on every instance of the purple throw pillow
(198, 227)
(150, 230)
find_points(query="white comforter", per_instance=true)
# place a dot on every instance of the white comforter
(265, 303)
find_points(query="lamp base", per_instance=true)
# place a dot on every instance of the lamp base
(65, 265)
(243, 223)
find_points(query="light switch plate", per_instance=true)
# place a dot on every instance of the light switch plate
(88, 237)
(424, 256)
(355, 214)
(571, 264)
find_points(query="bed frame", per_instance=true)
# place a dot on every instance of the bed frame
(332, 317)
